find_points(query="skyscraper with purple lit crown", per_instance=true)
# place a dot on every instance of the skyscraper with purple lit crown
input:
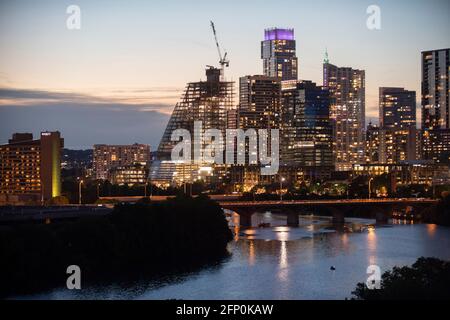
(278, 54)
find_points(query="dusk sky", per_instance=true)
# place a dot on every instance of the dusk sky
(117, 79)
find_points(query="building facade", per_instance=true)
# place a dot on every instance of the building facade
(389, 146)
(397, 108)
(372, 149)
(436, 145)
(130, 175)
(259, 102)
(407, 173)
(209, 102)
(398, 133)
(435, 105)
(278, 51)
(108, 157)
(31, 169)
(306, 135)
(347, 113)
(259, 106)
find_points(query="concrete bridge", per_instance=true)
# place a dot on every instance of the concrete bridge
(379, 209)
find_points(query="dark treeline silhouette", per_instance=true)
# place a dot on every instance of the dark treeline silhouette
(427, 279)
(439, 213)
(136, 240)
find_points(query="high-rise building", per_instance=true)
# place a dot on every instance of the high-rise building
(397, 146)
(306, 137)
(397, 108)
(31, 167)
(207, 101)
(278, 54)
(390, 146)
(398, 133)
(435, 89)
(372, 143)
(436, 145)
(108, 157)
(347, 113)
(435, 105)
(259, 104)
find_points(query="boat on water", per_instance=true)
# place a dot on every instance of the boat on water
(264, 225)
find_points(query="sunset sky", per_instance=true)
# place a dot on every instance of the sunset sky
(117, 79)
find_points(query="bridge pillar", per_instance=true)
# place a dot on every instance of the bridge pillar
(419, 211)
(245, 220)
(383, 214)
(338, 215)
(293, 219)
(381, 217)
(245, 217)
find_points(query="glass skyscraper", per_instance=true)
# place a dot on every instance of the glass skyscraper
(278, 54)
(306, 127)
(435, 105)
(259, 104)
(397, 108)
(347, 113)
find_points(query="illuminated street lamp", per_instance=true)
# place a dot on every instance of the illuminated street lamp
(79, 191)
(145, 188)
(42, 194)
(281, 187)
(370, 191)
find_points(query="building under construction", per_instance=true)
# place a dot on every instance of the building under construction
(206, 101)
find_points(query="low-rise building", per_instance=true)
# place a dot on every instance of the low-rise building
(107, 157)
(131, 175)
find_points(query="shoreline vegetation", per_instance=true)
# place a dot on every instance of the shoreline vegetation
(136, 240)
(426, 279)
(151, 239)
(439, 213)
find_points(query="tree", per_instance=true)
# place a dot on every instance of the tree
(439, 213)
(427, 279)
(126, 243)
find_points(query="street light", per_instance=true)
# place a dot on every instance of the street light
(146, 186)
(79, 191)
(370, 191)
(281, 187)
(42, 194)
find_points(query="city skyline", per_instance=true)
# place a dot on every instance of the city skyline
(248, 152)
(47, 75)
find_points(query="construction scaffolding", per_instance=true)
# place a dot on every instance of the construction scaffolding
(207, 101)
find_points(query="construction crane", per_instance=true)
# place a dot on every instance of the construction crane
(223, 59)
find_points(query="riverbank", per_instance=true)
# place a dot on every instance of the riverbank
(283, 262)
(439, 213)
(426, 279)
(135, 240)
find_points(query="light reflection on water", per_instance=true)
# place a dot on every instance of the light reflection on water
(281, 262)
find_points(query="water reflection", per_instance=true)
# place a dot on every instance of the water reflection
(282, 233)
(431, 229)
(344, 239)
(283, 262)
(372, 245)
(251, 253)
(283, 265)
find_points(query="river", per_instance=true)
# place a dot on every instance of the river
(280, 262)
